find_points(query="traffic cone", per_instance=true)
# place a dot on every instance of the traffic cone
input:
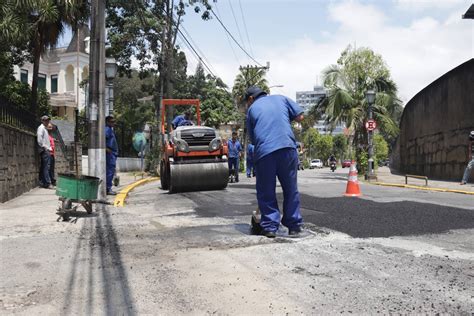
(352, 188)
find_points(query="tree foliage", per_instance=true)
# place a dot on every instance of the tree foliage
(380, 148)
(356, 71)
(247, 77)
(340, 144)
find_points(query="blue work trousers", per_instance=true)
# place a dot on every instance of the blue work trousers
(250, 168)
(234, 165)
(110, 160)
(44, 178)
(283, 164)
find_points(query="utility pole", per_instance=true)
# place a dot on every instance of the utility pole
(96, 149)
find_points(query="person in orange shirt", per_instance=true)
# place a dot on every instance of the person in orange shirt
(50, 129)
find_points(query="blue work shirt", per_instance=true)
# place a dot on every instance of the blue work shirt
(234, 148)
(250, 149)
(178, 120)
(269, 124)
(110, 140)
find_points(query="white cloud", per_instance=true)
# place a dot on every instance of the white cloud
(419, 5)
(416, 53)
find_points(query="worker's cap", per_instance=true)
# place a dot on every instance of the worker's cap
(254, 92)
(44, 118)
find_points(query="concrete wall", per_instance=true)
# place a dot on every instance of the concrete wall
(18, 162)
(435, 125)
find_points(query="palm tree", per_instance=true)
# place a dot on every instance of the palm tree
(249, 76)
(49, 19)
(347, 83)
(42, 22)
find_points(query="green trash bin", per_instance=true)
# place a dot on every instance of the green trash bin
(77, 188)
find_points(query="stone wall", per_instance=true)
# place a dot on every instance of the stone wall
(19, 162)
(435, 125)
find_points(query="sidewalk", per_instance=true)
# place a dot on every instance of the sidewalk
(384, 176)
(47, 199)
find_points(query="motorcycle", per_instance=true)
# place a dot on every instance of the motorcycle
(332, 165)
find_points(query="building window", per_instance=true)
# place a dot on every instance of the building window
(24, 76)
(54, 83)
(42, 81)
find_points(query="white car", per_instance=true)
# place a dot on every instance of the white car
(316, 163)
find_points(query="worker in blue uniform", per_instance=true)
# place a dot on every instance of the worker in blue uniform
(250, 165)
(269, 127)
(111, 152)
(235, 149)
(182, 120)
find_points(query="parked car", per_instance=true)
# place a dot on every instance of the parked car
(316, 163)
(346, 163)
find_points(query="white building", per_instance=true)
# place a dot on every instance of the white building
(307, 99)
(61, 71)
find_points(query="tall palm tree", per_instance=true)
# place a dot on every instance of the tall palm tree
(42, 22)
(48, 21)
(247, 77)
(345, 103)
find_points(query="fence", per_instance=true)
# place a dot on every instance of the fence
(16, 117)
(123, 134)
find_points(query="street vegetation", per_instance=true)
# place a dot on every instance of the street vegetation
(147, 32)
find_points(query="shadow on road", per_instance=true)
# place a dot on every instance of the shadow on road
(97, 253)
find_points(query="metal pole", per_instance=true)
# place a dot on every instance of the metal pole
(96, 149)
(371, 149)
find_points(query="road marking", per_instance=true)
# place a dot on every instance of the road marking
(408, 186)
(122, 195)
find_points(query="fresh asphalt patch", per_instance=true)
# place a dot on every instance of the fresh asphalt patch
(357, 217)
(362, 218)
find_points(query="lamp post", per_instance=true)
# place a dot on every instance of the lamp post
(370, 97)
(110, 73)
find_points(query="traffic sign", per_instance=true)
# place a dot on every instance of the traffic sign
(370, 125)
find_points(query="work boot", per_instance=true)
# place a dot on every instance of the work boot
(295, 232)
(268, 234)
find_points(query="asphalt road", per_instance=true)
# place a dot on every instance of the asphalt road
(391, 251)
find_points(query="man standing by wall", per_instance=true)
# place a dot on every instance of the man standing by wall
(52, 157)
(269, 126)
(234, 154)
(470, 165)
(111, 152)
(45, 152)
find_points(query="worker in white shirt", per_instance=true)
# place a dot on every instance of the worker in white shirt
(45, 152)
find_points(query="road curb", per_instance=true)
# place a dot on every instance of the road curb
(122, 195)
(408, 186)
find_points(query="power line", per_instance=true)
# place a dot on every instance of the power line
(245, 27)
(195, 52)
(228, 39)
(196, 46)
(236, 23)
(233, 38)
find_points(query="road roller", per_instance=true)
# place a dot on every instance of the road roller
(194, 158)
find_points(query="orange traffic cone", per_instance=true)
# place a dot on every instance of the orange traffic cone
(352, 188)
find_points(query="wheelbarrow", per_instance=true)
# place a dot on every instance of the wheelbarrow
(79, 190)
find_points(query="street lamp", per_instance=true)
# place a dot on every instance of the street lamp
(370, 97)
(110, 73)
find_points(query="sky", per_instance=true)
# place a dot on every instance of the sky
(419, 40)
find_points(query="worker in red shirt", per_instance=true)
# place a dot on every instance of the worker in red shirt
(50, 129)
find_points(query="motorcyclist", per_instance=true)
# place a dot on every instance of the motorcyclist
(332, 162)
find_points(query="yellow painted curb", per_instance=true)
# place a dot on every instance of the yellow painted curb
(122, 195)
(408, 186)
